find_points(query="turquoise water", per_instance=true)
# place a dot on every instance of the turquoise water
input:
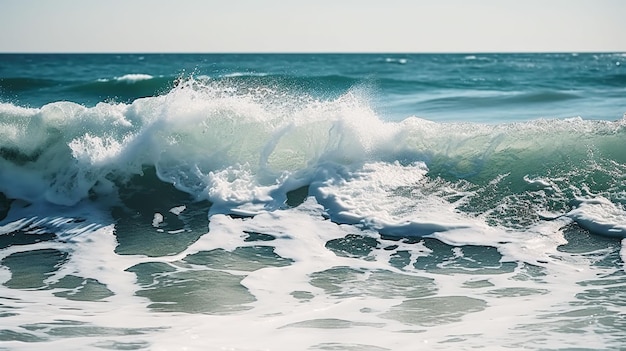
(452, 87)
(313, 202)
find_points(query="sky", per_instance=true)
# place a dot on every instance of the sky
(312, 26)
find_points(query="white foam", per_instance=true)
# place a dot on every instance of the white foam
(244, 74)
(400, 61)
(10, 111)
(385, 196)
(157, 220)
(600, 215)
(539, 182)
(374, 306)
(178, 210)
(133, 77)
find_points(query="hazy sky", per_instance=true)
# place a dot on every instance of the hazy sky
(312, 26)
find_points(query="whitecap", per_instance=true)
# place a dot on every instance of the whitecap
(133, 77)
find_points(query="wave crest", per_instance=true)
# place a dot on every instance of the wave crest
(244, 148)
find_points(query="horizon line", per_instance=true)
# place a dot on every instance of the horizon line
(308, 52)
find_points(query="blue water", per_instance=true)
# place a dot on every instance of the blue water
(312, 201)
(452, 87)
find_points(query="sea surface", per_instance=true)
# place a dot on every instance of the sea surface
(313, 201)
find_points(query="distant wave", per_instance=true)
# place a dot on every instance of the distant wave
(127, 78)
(474, 57)
(400, 61)
(133, 78)
(500, 99)
(244, 74)
(125, 88)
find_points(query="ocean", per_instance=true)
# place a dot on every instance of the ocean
(313, 201)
